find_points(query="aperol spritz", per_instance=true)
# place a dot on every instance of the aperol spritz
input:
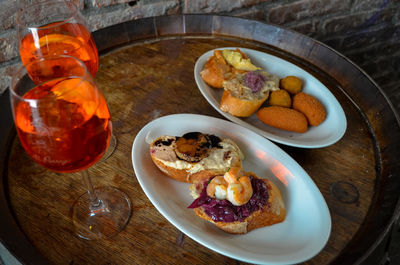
(69, 111)
(55, 28)
(64, 124)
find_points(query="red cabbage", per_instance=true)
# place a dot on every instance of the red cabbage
(255, 81)
(224, 210)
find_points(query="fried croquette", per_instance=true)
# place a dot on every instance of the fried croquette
(310, 107)
(280, 98)
(283, 118)
(215, 69)
(292, 84)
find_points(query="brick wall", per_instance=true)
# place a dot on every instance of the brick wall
(366, 31)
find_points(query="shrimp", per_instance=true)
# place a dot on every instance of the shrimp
(217, 188)
(239, 190)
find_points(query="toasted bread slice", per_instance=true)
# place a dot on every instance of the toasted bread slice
(183, 175)
(240, 107)
(215, 69)
(187, 163)
(245, 93)
(273, 212)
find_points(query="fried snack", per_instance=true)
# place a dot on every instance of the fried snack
(310, 107)
(215, 69)
(283, 118)
(280, 98)
(292, 84)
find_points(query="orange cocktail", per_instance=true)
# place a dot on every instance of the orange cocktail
(60, 38)
(64, 124)
(69, 128)
(55, 28)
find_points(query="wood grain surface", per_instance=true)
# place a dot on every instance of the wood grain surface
(151, 77)
(141, 83)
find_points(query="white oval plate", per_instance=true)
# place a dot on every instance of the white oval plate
(302, 235)
(327, 133)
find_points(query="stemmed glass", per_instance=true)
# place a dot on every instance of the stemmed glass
(57, 28)
(64, 124)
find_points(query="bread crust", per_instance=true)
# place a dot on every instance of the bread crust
(274, 212)
(181, 174)
(240, 107)
(174, 173)
(215, 69)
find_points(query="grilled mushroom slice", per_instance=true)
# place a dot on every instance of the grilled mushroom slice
(193, 146)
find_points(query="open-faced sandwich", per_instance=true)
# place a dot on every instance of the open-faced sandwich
(235, 201)
(238, 202)
(245, 93)
(194, 156)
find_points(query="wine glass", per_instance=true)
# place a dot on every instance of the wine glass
(64, 124)
(57, 28)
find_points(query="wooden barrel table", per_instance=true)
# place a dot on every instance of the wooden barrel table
(146, 71)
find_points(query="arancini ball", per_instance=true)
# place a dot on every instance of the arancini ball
(280, 98)
(292, 84)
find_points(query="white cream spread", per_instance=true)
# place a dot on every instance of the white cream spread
(219, 159)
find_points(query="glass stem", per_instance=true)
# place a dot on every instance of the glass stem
(95, 203)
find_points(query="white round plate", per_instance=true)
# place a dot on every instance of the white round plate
(302, 235)
(327, 133)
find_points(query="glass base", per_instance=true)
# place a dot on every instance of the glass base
(111, 148)
(104, 220)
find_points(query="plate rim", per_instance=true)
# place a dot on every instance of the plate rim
(280, 139)
(142, 136)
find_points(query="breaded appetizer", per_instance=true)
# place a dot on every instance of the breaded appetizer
(283, 118)
(310, 107)
(280, 98)
(292, 84)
